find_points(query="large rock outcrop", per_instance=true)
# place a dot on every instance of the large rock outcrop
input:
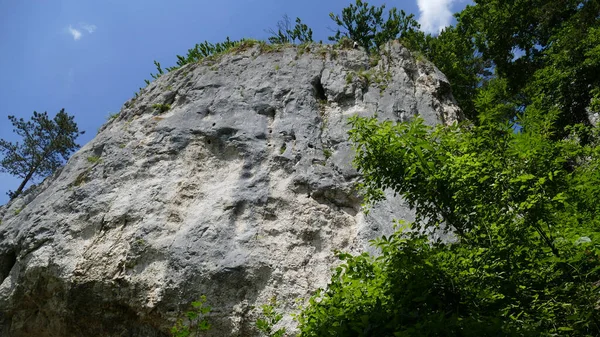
(241, 190)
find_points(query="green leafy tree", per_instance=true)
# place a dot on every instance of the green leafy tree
(286, 34)
(540, 48)
(46, 144)
(544, 55)
(367, 25)
(523, 208)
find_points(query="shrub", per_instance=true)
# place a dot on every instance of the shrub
(161, 108)
(194, 320)
(286, 34)
(269, 318)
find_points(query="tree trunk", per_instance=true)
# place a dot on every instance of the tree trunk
(22, 186)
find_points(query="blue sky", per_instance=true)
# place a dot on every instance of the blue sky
(90, 56)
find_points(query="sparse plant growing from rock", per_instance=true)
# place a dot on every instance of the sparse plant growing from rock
(161, 108)
(349, 77)
(113, 115)
(94, 159)
(270, 317)
(194, 321)
(285, 33)
(344, 43)
(82, 178)
(374, 59)
(199, 52)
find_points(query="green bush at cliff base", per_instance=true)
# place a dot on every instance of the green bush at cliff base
(194, 322)
(524, 209)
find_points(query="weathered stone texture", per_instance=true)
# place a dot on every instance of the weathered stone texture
(240, 191)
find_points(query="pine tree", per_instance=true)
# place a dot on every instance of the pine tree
(46, 143)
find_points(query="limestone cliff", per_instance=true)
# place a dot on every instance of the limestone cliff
(231, 178)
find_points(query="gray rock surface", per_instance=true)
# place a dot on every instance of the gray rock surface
(240, 191)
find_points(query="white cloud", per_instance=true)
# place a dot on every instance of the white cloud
(434, 15)
(90, 28)
(76, 34)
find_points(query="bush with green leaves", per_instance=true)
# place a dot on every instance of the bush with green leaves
(524, 209)
(194, 321)
(286, 34)
(367, 25)
(269, 318)
(161, 108)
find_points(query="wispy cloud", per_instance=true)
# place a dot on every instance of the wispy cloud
(434, 14)
(90, 28)
(77, 33)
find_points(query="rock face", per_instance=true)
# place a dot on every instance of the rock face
(240, 190)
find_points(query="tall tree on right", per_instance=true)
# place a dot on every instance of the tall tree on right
(546, 52)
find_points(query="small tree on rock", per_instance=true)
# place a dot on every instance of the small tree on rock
(366, 25)
(46, 144)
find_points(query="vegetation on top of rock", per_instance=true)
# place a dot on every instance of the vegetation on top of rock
(199, 52)
(366, 25)
(361, 23)
(47, 143)
(286, 34)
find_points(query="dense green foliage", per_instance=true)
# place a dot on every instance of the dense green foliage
(544, 54)
(46, 143)
(524, 210)
(367, 25)
(286, 34)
